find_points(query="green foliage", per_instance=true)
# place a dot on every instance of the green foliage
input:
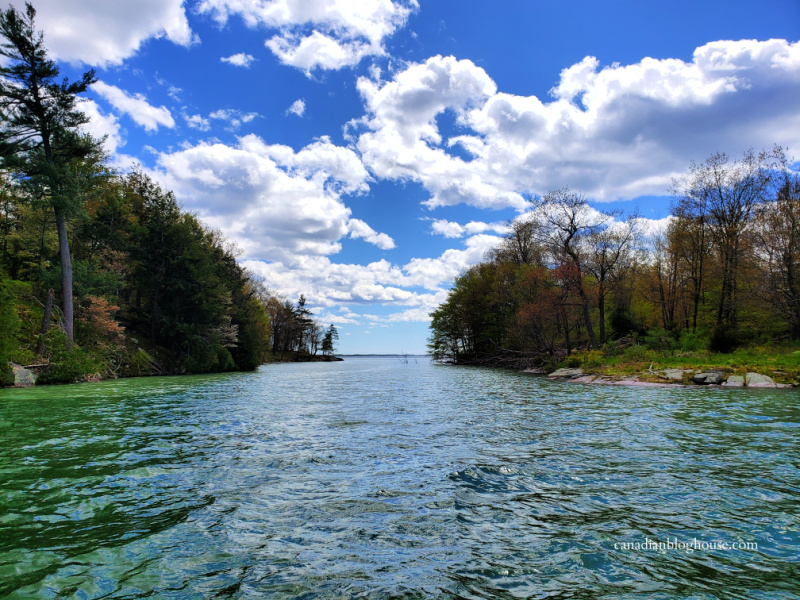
(623, 322)
(723, 339)
(9, 322)
(588, 359)
(69, 366)
(691, 342)
(660, 340)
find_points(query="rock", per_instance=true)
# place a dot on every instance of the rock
(535, 371)
(708, 378)
(566, 373)
(734, 381)
(23, 377)
(757, 380)
(673, 374)
(584, 379)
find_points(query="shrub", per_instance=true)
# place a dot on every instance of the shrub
(659, 339)
(691, 342)
(723, 340)
(68, 366)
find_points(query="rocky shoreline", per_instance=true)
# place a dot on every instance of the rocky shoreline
(667, 378)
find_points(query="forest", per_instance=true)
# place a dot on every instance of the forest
(723, 275)
(102, 274)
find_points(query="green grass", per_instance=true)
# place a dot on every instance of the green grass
(782, 363)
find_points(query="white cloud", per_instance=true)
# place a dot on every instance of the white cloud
(272, 200)
(239, 60)
(324, 34)
(102, 126)
(359, 229)
(197, 122)
(135, 106)
(615, 133)
(450, 229)
(297, 108)
(106, 33)
(329, 284)
(234, 118)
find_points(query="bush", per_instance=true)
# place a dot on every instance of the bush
(723, 340)
(68, 366)
(691, 342)
(591, 359)
(6, 374)
(659, 339)
(622, 322)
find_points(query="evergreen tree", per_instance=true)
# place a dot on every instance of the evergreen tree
(39, 136)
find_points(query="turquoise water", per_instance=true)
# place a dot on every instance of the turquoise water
(372, 478)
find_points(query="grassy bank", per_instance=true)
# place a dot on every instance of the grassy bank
(782, 363)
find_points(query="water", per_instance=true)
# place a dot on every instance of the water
(372, 478)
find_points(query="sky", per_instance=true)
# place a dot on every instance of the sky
(364, 153)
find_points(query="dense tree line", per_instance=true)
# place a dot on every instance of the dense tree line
(725, 272)
(102, 273)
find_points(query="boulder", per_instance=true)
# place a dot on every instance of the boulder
(708, 378)
(23, 377)
(673, 374)
(757, 380)
(566, 373)
(734, 381)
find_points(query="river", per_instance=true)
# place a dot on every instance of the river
(377, 478)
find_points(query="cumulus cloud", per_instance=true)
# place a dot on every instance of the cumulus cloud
(197, 122)
(615, 132)
(297, 108)
(325, 34)
(239, 60)
(101, 126)
(450, 229)
(272, 200)
(135, 106)
(420, 285)
(359, 229)
(106, 33)
(234, 118)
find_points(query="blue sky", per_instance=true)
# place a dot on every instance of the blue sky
(364, 153)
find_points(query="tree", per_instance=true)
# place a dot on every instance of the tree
(329, 341)
(39, 137)
(570, 221)
(609, 258)
(778, 242)
(723, 195)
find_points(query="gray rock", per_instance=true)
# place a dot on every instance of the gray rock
(708, 378)
(566, 373)
(734, 381)
(757, 380)
(673, 374)
(23, 377)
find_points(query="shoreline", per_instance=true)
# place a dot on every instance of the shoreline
(684, 378)
(25, 377)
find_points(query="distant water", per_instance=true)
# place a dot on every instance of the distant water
(373, 478)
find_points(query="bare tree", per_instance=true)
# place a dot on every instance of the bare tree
(569, 222)
(721, 195)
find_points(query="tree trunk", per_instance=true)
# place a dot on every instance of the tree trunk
(66, 277)
(601, 305)
(48, 311)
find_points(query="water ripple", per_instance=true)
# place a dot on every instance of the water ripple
(377, 479)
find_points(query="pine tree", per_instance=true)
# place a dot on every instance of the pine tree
(39, 135)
